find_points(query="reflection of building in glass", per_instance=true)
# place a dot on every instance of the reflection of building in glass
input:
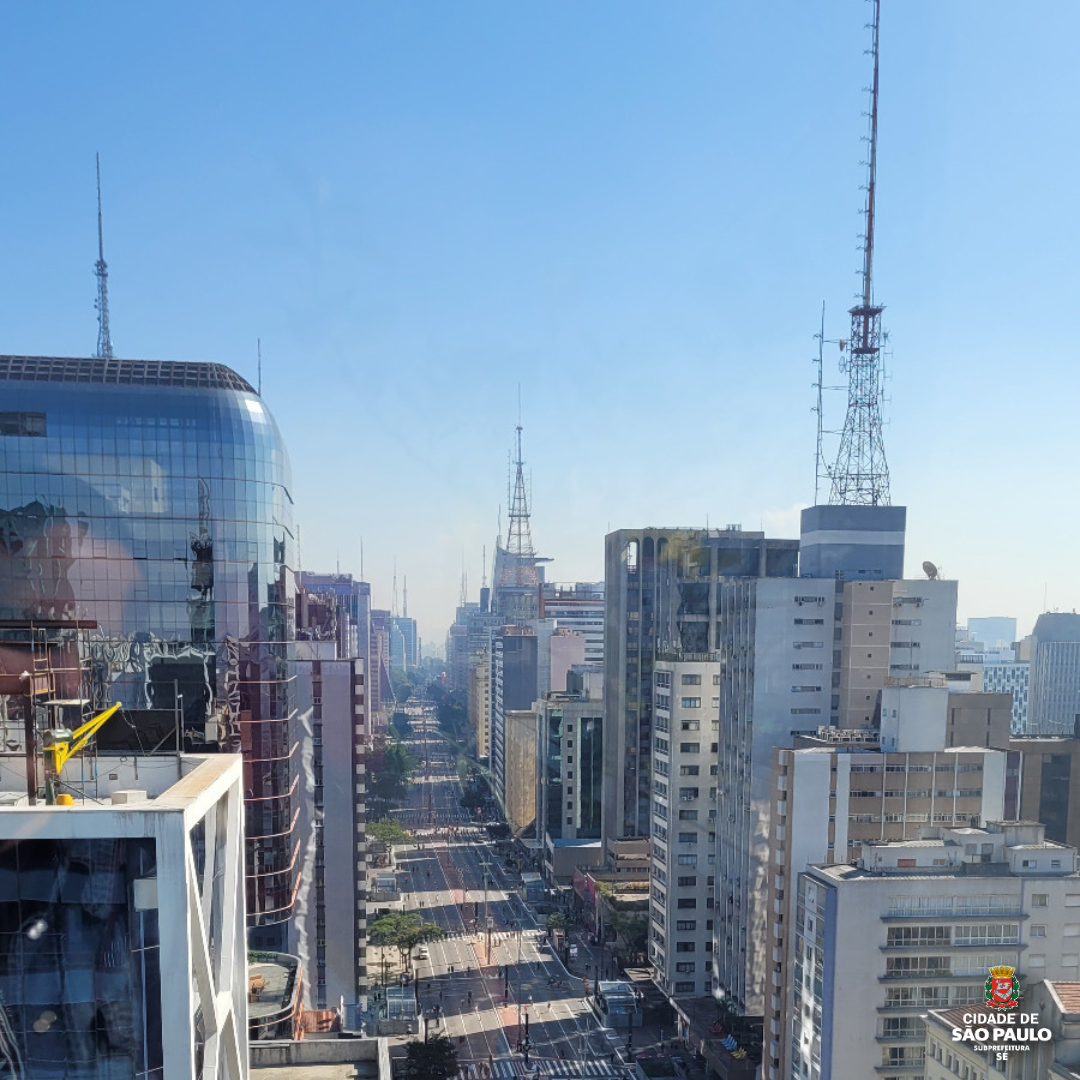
(151, 499)
(122, 946)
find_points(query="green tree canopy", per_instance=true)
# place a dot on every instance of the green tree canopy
(556, 921)
(403, 931)
(388, 831)
(631, 931)
(434, 1060)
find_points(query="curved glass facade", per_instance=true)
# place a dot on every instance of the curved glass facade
(151, 499)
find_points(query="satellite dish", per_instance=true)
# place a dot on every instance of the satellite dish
(930, 570)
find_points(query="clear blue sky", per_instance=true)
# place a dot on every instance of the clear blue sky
(632, 209)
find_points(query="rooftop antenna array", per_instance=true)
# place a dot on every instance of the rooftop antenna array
(860, 476)
(101, 271)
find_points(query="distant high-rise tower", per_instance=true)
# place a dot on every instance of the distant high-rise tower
(860, 476)
(101, 271)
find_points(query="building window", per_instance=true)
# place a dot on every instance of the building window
(1040, 899)
(689, 770)
(27, 424)
(686, 946)
(686, 967)
(689, 924)
(690, 748)
(684, 987)
(690, 702)
(691, 680)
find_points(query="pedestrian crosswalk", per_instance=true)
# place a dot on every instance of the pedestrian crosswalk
(511, 1069)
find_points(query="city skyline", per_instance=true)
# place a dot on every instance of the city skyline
(417, 211)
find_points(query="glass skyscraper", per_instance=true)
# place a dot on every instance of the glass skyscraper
(149, 501)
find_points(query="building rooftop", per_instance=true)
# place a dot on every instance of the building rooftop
(1068, 995)
(272, 979)
(107, 371)
(106, 784)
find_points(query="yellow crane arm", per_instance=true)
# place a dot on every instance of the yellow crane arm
(64, 749)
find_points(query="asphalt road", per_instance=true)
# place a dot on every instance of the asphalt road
(484, 997)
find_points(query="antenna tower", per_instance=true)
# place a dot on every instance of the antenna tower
(405, 598)
(519, 543)
(860, 476)
(101, 271)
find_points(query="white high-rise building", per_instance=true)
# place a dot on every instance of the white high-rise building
(916, 925)
(686, 730)
(123, 949)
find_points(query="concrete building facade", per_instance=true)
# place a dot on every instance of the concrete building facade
(331, 927)
(686, 730)
(917, 924)
(570, 728)
(661, 590)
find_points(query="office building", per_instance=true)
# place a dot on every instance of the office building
(799, 653)
(1047, 769)
(891, 630)
(380, 693)
(480, 708)
(514, 673)
(522, 767)
(661, 589)
(1054, 701)
(1013, 678)
(151, 500)
(122, 951)
(334, 735)
(917, 924)
(838, 790)
(558, 649)
(686, 730)
(351, 610)
(457, 651)
(577, 606)
(571, 738)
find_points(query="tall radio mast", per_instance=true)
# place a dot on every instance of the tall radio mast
(101, 271)
(860, 476)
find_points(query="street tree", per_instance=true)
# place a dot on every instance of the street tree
(403, 932)
(388, 831)
(435, 1059)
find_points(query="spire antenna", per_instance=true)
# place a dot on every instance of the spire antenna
(101, 270)
(860, 476)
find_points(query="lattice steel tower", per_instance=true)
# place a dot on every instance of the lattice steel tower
(860, 476)
(101, 271)
(519, 544)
